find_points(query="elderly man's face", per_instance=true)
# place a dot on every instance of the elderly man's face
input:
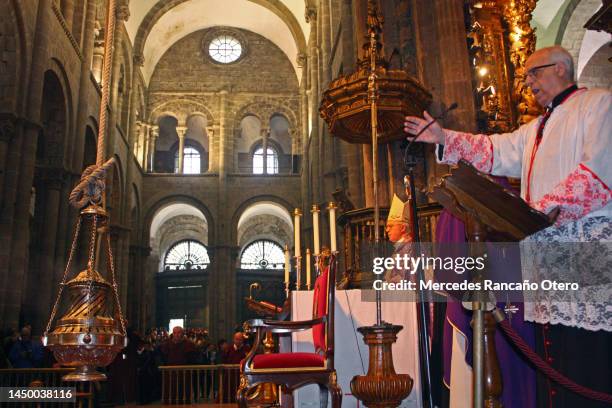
(396, 231)
(177, 334)
(545, 77)
(238, 340)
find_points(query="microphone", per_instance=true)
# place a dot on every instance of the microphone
(453, 106)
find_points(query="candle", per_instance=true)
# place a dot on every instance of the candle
(287, 265)
(297, 215)
(332, 226)
(315, 227)
(308, 268)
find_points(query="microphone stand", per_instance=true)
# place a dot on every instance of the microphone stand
(410, 163)
(422, 304)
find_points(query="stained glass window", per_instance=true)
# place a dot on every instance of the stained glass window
(262, 254)
(225, 49)
(185, 255)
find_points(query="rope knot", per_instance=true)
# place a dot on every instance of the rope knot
(90, 189)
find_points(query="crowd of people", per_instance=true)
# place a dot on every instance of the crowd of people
(134, 375)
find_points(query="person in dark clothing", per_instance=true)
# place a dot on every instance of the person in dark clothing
(147, 372)
(177, 350)
(26, 353)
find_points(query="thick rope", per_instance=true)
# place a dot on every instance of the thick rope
(90, 189)
(548, 370)
(109, 38)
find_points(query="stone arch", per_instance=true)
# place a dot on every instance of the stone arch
(163, 202)
(164, 6)
(115, 190)
(54, 116)
(597, 72)
(90, 147)
(181, 109)
(281, 202)
(264, 109)
(122, 83)
(574, 31)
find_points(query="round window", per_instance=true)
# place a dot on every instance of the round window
(225, 49)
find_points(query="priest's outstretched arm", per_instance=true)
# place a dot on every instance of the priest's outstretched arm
(582, 191)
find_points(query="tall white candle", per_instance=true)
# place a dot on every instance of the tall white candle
(287, 264)
(297, 214)
(332, 226)
(307, 268)
(315, 228)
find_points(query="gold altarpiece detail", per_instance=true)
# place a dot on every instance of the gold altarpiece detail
(500, 41)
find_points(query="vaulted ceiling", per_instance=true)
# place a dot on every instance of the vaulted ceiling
(155, 25)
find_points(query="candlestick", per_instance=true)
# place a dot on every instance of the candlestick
(308, 268)
(332, 226)
(297, 215)
(298, 272)
(315, 227)
(287, 266)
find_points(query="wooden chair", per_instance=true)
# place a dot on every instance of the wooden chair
(294, 370)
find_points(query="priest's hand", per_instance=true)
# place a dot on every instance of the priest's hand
(433, 134)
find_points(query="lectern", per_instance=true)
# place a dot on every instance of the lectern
(486, 207)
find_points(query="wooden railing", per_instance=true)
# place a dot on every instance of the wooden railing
(47, 377)
(200, 383)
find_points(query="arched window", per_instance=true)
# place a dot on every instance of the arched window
(271, 161)
(191, 161)
(262, 254)
(186, 255)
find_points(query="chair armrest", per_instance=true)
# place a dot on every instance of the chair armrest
(279, 326)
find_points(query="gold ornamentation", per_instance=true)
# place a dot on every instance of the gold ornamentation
(346, 105)
(517, 14)
(490, 64)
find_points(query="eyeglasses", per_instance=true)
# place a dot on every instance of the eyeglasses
(533, 71)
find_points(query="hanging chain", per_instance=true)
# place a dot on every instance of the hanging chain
(77, 230)
(114, 282)
(90, 267)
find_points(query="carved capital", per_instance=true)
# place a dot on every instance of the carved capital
(139, 59)
(123, 10)
(301, 60)
(310, 14)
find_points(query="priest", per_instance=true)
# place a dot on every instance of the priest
(563, 160)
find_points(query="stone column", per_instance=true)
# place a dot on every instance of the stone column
(7, 132)
(265, 134)
(20, 219)
(84, 86)
(313, 68)
(224, 146)
(153, 135)
(68, 13)
(43, 286)
(181, 130)
(98, 52)
(454, 61)
(146, 131)
(210, 132)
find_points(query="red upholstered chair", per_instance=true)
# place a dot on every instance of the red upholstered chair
(294, 370)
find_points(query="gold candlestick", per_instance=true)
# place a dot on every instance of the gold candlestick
(308, 269)
(298, 272)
